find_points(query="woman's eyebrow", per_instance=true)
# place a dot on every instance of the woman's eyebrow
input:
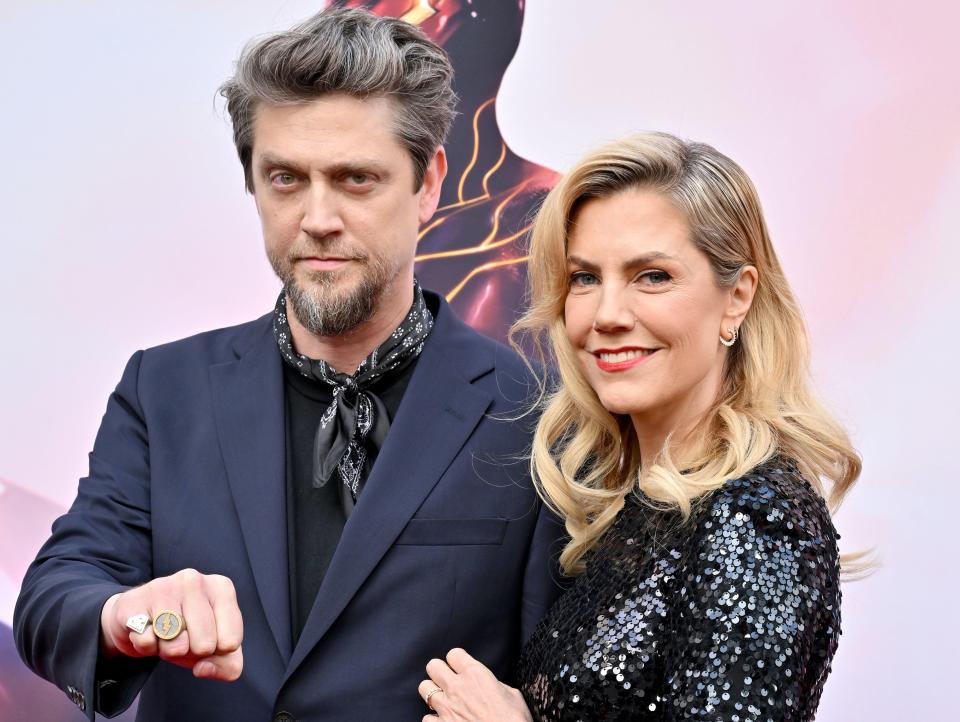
(634, 262)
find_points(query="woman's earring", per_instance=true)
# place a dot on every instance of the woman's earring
(734, 333)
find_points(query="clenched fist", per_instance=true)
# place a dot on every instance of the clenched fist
(210, 645)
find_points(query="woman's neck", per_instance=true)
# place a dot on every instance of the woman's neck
(681, 422)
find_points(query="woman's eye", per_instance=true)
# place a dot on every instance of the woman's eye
(582, 278)
(654, 278)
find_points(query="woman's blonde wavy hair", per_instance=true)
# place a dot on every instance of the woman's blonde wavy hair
(585, 459)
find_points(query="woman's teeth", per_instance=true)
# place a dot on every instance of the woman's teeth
(613, 358)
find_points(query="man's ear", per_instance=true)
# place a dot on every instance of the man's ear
(432, 181)
(740, 297)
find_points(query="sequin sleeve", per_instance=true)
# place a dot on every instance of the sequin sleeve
(758, 608)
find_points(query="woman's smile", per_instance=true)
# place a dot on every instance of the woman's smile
(621, 359)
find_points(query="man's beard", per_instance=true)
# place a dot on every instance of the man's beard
(325, 309)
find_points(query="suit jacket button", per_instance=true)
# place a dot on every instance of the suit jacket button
(284, 717)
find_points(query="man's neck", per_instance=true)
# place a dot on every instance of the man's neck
(346, 352)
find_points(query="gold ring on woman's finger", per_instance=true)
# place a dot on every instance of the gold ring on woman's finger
(435, 690)
(167, 625)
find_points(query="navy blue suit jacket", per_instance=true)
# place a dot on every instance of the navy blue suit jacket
(448, 544)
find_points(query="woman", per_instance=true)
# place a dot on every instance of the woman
(685, 452)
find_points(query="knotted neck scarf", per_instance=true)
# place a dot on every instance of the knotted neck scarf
(356, 414)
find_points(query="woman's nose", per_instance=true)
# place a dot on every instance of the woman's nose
(613, 313)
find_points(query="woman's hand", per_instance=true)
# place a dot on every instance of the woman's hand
(470, 693)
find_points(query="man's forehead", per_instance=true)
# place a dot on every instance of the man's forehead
(335, 121)
(269, 158)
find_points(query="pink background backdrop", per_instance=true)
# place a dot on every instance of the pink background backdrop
(124, 224)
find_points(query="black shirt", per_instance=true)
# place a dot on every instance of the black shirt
(315, 516)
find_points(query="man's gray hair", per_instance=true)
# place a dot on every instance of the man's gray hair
(349, 51)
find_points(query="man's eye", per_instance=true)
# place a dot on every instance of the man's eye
(283, 179)
(358, 179)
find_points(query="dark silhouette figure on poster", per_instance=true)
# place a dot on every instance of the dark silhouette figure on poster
(473, 247)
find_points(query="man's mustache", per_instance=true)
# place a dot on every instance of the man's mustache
(326, 249)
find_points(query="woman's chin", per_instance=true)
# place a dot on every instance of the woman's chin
(624, 407)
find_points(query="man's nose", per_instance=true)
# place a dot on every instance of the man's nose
(614, 314)
(322, 215)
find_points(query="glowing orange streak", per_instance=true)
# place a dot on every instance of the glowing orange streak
(429, 228)
(419, 11)
(459, 204)
(486, 180)
(486, 177)
(476, 147)
(485, 267)
(496, 214)
(472, 249)
(454, 208)
(457, 207)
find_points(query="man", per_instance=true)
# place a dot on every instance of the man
(287, 519)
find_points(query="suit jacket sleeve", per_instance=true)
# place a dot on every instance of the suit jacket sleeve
(101, 546)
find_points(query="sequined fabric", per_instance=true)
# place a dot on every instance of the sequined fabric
(733, 615)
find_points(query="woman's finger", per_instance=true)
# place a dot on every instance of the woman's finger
(458, 660)
(430, 692)
(440, 672)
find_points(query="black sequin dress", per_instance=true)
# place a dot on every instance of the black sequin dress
(733, 615)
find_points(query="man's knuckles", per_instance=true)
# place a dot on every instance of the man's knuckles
(204, 646)
(232, 672)
(168, 593)
(228, 667)
(175, 648)
(189, 577)
(143, 645)
(221, 586)
(226, 644)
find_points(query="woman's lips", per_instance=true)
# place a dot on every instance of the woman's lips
(621, 359)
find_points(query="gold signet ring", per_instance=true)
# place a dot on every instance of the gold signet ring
(168, 625)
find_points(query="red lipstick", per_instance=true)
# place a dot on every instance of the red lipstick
(621, 359)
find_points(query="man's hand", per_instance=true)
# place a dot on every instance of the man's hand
(210, 645)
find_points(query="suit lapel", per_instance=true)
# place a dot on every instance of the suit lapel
(249, 412)
(440, 405)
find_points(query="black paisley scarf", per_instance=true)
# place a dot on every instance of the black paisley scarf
(356, 415)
